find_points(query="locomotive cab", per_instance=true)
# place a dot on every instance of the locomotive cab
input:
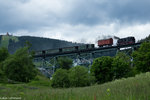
(126, 41)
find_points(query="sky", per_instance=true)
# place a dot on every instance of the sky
(76, 20)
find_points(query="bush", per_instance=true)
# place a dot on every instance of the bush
(102, 69)
(76, 77)
(64, 63)
(2, 77)
(19, 67)
(141, 57)
(60, 78)
(79, 77)
(121, 66)
(3, 54)
(40, 80)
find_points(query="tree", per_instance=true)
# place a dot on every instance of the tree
(121, 66)
(2, 76)
(3, 54)
(141, 57)
(102, 69)
(60, 78)
(79, 77)
(64, 63)
(19, 67)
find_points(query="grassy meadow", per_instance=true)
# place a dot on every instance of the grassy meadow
(134, 88)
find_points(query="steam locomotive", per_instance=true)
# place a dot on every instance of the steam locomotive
(122, 41)
(101, 43)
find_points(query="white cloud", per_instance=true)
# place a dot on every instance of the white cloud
(75, 20)
(139, 31)
(80, 33)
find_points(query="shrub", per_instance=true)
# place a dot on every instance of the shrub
(2, 77)
(60, 78)
(40, 80)
(79, 77)
(141, 57)
(19, 67)
(102, 69)
(3, 54)
(64, 63)
(121, 66)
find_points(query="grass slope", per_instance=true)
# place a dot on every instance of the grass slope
(5, 40)
(134, 88)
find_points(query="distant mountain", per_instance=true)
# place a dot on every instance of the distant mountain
(38, 43)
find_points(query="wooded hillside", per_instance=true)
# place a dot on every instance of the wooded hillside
(38, 43)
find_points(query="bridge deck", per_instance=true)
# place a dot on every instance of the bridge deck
(87, 50)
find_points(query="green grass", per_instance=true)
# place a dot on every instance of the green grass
(5, 40)
(134, 88)
(40, 81)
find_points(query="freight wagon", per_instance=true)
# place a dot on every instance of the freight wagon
(51, 51)
(87, 46)
(77, 48)
(67, 49)
(106, 42)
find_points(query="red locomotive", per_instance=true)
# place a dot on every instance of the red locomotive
(106, 42)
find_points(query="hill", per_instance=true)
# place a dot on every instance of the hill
(38, 43)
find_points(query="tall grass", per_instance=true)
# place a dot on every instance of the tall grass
(134, 88)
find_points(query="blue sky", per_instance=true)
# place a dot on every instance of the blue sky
(76, 20)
